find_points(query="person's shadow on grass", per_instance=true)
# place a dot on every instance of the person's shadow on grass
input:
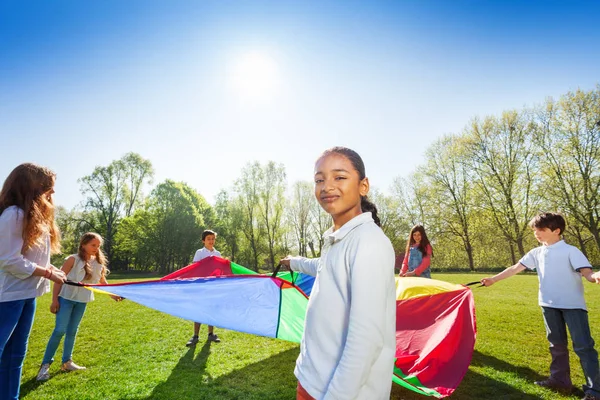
(477, 386)
(271, 378)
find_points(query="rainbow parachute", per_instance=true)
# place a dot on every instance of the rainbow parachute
(435, 320)
(435, 335)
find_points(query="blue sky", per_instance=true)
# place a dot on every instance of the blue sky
(183, 83)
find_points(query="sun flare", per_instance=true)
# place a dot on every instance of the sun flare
(255, 77)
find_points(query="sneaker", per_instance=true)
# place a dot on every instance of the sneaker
(213, 338)
(71, 366)
(192, 341)
(44, 373)
(551, 383)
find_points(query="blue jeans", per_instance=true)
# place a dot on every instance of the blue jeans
(16, 319)
(557, 320)
(68, 318)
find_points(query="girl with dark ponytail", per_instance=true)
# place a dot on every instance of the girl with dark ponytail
(349, 341)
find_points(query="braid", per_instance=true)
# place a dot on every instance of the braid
(367, 206)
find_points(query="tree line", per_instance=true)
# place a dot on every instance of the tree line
(475, 193)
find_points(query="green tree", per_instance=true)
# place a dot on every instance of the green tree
(112, 192)
(247, 188)
(299, 214)
(568, 139)
(504, 162)
(451, 182)
(271, 203)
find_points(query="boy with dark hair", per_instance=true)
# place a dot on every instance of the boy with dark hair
(560, 267)
(208, 238)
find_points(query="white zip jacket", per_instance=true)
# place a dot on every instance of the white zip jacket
(349, 342)
(16, 281)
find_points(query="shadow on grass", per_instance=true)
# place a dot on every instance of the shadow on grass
(271, 378)
(477, 386)
(29, 386)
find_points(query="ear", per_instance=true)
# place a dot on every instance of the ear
(364, 187)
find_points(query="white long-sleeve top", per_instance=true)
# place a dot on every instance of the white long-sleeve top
(348, 347)
(202, 253)
(16, 281)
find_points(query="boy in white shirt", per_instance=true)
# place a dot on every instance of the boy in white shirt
(560, 267)
(208, 239)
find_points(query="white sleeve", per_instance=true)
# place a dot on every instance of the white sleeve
(218, 253)
(11, 244)
(372, 271)
(197, 256)
(529, 260)
(578, 260)
(307, 265)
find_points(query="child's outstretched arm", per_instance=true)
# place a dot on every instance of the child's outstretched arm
(105, 282)
(588, 274)
(308, 266)
(507, 273)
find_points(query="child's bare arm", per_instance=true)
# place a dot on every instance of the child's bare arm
(588, 274)
(507, 273)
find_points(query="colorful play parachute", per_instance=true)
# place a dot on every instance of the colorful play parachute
(435, 320)
(218, 292)
(435, 335)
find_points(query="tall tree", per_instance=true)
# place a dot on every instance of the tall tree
(228, 223)
(247, 188)
(138, 171)
(568, 138)
(503, 159)
(109, 195)
(180, 215)
(299, 210)
(271, 206)
(392, 224)
(451, 181)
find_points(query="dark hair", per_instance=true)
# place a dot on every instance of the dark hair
(26, 187)
(208, 232)
(424, 240)
(551, 221)
(359, 166)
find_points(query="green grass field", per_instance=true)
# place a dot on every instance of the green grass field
(133, 352)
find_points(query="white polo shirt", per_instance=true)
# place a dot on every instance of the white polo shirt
(16, 281)
(557, 266)
(204, 252)
(349, 341)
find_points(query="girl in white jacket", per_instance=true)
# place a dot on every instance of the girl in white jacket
(348, 347)
(28, 235)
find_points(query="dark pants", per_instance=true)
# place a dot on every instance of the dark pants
(16, 319)
(557, 320)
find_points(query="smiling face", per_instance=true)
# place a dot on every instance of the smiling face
(209, 242)
(338, 188)
(417, 237)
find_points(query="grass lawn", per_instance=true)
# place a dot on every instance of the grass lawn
(133, 352)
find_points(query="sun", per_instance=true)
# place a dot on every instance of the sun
(255, 77)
